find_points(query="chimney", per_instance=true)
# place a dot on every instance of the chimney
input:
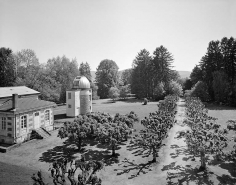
(14, 101)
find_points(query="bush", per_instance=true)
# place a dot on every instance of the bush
(114, 93)
(174, 88)
(159, 92)
(200, 90)
(124, 91)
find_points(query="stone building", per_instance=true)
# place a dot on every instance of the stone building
(79, 98)
(21, 112)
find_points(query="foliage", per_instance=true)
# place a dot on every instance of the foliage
(187, 85)
(196, 75)
(200, 90)
(106, 77)
(220, 56)
(94, 91)
(157, 125)
(59, 169)
(101, 126)
(206, 137)
(174, 88)
(63, 70)
(114, 93)
(231, 155)
(150, 71)
(84, 70)
(126, 76)
(220, 86)
(7, 68)
(124, 91)
(159, 91)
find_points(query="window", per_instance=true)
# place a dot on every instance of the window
(9, 123)
(4, 123)
(9, 118)
(69, 95)
(9, 135)
(23, 121)
(9, 129)
(90, 97)
(69, 106)
(47, 115)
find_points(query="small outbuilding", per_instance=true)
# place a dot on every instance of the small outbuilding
(79, 98)
(21, 112)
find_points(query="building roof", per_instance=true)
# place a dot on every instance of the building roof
(26, 105)
(20, 90)
(81, 82)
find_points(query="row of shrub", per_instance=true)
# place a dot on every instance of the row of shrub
(156, 126)
(206, 137)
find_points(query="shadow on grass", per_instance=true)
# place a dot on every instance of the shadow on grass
(214, 106)
(128, 166)
(186, 174)
(138, 150)
(69, 149)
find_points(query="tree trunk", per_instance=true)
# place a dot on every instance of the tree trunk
(113, 151)
(79, 143)
(154, 155)
(203, 161)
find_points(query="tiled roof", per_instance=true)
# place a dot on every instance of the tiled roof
(20, 90)
(26, 105)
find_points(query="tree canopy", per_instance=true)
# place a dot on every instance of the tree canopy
(106, 77)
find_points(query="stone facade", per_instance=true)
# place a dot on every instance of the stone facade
(14, 133)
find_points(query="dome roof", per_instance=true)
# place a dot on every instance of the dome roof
(81, 82)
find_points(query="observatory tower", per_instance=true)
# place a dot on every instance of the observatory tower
(79, 98)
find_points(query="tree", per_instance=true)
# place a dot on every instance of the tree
(28, 69)
(85, 70)
(220, 86)
(124, 91)
(196, 75)
(174, 88)
(7, 68)
(106, 77)
(206, 137)
(141, 74)
(162, 64)
(114, 93)
(59, 169)
(200, 90)
(63, 71)
(126, 76)
(156, 126)
(187, 85)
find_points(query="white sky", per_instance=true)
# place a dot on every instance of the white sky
(93, 30)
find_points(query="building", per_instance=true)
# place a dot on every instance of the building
(21, 112)
(79, 98)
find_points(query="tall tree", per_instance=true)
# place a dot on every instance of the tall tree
(141, 74)
(7, 68)
(85, 70)
(126, 76)
(28, 68)
(106, 77)
(196, 74)
(63, 71)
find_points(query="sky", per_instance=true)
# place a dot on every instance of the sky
(93, 30)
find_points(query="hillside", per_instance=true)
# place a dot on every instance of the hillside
(183, 74)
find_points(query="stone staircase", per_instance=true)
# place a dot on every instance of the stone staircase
(43, 133)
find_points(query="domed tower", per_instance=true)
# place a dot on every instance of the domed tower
(79, 98)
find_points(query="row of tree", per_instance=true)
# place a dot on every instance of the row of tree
(150, 76)
(51, 79)
(217, 70)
